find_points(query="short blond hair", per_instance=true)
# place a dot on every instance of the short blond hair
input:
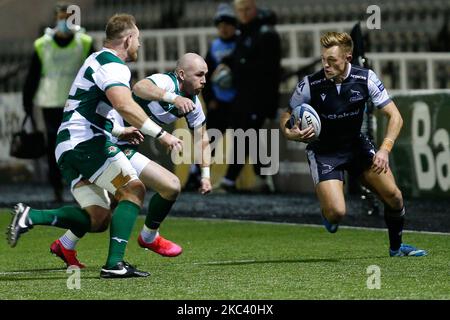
(340, 39)
(118, 25)
(251, 2)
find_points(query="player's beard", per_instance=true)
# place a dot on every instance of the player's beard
(198, 90)
(132, 55)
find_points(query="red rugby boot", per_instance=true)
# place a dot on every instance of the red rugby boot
(161, 246)
(68, 256)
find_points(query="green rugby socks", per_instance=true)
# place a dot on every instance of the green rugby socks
(68, 217)
(122, 222)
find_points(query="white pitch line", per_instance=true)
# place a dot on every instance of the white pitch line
(223, 262)
(310, 225)
(7, 273)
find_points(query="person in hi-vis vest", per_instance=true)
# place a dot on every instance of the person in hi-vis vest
(57, 57)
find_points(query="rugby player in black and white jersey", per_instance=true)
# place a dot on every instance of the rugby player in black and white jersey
(339, 92)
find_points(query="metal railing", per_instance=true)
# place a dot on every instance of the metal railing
(300, 45)
(403, 58)
(300, 42)
(159, 37)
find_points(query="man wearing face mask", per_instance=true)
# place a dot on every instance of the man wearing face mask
(57, 57)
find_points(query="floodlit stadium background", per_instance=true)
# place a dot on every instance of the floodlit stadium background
(242, 259)
(407, 52)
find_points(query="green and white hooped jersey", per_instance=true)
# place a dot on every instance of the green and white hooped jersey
(163, 112)
(166, 113)
(87, 112)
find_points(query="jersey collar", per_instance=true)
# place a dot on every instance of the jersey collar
(349, 66)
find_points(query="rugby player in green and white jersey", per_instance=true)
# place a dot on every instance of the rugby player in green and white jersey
(187, 81)
(87, 157)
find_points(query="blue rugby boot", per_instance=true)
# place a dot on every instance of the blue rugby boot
(406, 250)
(331, 227)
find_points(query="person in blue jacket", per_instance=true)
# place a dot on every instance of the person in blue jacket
(219, 92)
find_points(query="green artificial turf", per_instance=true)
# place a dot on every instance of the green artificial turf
(228, 260)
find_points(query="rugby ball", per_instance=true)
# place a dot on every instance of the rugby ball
(307, 116)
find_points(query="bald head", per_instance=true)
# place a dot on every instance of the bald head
(191, 70)
(188, 61)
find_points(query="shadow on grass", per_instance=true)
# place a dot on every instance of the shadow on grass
(313, 260)
(4, 279)
(244, 262)
(43, 274)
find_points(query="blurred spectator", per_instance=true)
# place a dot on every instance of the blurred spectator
(442, 44)
(256, 71)
(57, 57)
(442, 41)
(171, 11)
(218, 92)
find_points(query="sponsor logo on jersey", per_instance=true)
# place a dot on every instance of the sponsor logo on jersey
(112, 149)
(301, 85)
(328, 168)
(355, 95)
(317, 81)
(323, 96)
(357, 76)
(340, 115)
(380, 86)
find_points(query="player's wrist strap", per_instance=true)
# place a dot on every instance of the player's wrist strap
(205, 173)
(151, 129)
(169, 97)
(161, 134)
(117, 130)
